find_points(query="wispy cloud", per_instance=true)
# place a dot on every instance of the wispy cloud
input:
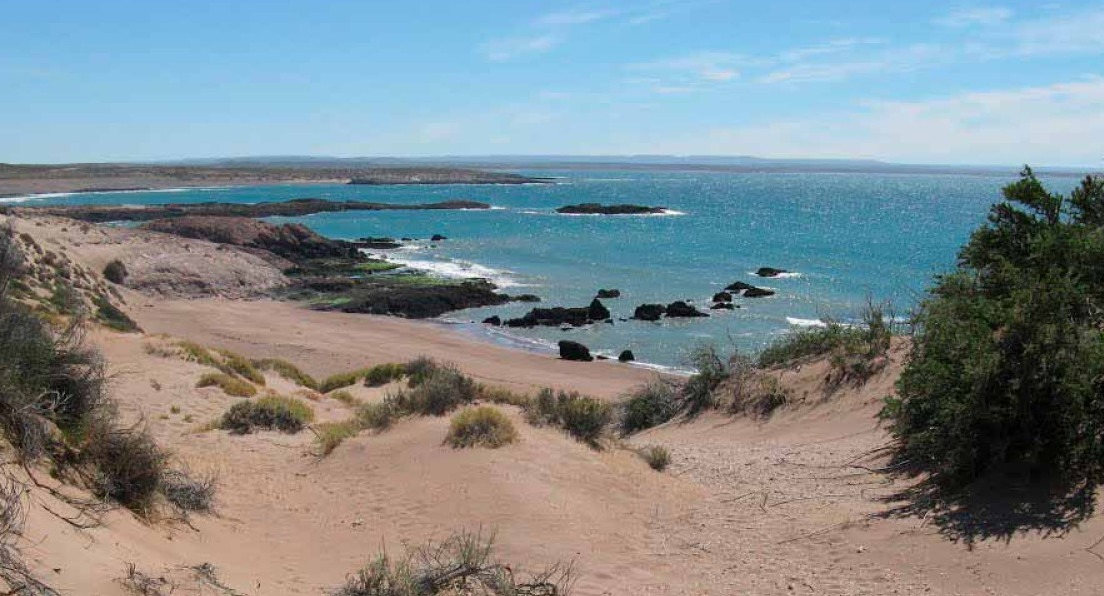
(1022, 125)
(574, 17)
(969, 17)
(501, 50)
(891, 60)
(834, 46)
(682, 74)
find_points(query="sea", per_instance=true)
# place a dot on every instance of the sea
(845, 239)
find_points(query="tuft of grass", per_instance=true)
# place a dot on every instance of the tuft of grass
(657, 457)
(419, 369)
(340, 380)
(499, 395)
(331, 434)
(377, 416)
(233, 363)
(583, 417)
(346, 398)
(288, 371)
(188, 492)
(484, 426)
(276, 412)
(382, 374)
(230, 385)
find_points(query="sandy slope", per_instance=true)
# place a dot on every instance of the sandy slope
(787, 505)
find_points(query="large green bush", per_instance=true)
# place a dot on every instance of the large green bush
(1007, 369)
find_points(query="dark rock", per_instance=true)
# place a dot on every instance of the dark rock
(626, 356)
(598, 311)
(769, 272)
(437, 238)
(573, 350)
(330, 284)
(607, 294)
(291, 241)
(722, 297)
(739, 286)
(649, 312)
(723, 306)
(597, 209)
(495, 320)
(421, 301)
(377, 243)
(405, 239)
(600, 357)
(758, 293)
(552, 317)
(525, 298)
(682, 309)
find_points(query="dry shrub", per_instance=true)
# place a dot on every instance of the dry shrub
(461, 564)
(583, 417)
(484, 426)
(189, 492)
(438, 392)
(658, 457)
(331, 434)
(129, 465)
(382, 374)
(115, 272)
(276, 412)
(288, 371)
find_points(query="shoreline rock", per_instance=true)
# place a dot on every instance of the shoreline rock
(649, 312)
(575, 351)
(680, 309)
(769, 272)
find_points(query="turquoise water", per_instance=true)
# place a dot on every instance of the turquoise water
(847, 237)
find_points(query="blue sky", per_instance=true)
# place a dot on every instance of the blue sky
(920, 82)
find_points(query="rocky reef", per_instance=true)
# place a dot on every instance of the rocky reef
(598, 209)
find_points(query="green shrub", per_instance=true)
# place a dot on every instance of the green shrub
(711, 369)
(382, 374)
(499, 395)
(657, 457)
(584, 418)
(331, 434)
(272, 412)
(345, 397)
(288, 371)
(439, 392)
(111, 316)
(855, 351)
(484, 426)
(419, 369)
(340, 380)
(115, 272)
(377, 416)
(650, 405)
(1008, 356)
(128, 464)
(230, 385)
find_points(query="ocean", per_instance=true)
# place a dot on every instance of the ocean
(845, 238)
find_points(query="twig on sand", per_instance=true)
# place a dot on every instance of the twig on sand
(824, 530)
(1094, 545)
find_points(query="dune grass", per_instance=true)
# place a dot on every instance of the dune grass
(288, 371)
(583, 417)
(484, 426)
(276, 412)
(230, 385)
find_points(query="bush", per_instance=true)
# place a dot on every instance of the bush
(331, 434)
(288, 371)
(340, 380)
(272, 412)
(115, 272)
(419, 369)
(441, 391)
(584, 418)
(461, 564)
(650, 405)
(382, 374)
(1007, 366)
(499, 395)
(112, 317)
(187, 492)
(230, 385)
(711, 369)
(129, 465)
(484, 426)
(657, 457)
(377, 416)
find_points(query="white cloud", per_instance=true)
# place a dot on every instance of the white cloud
(903, 59)
(682, 73)
(976, 16)
(501, 50)
(834, 46)
(574, 17)
(1058, 124)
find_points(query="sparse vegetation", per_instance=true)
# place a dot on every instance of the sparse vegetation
(345, 397)
(187, 491)
(288, 371)
(377, 416)
(484, 426)
(112, 317)
(340, 380)
(229, 385)
(271, 412)
(233, 363)
(1008, 356)
(441, 389)
(331, 434)
(658, 457)
(461, 564)
(382, 374)
(584, 418)
(129, 465)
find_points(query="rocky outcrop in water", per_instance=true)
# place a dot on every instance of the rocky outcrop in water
(495, 320)
(598, 209)
(607, 294)
(626, 356)
(758, 293)
(723, 306)
(748, 291)
(420, 301)
(680, 309)
(559, 316)
(770, 272)
(722, 297)
(573, 350)
(649, 312)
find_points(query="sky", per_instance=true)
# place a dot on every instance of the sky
(913, 82)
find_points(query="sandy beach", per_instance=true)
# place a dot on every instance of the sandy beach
(793, 504)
